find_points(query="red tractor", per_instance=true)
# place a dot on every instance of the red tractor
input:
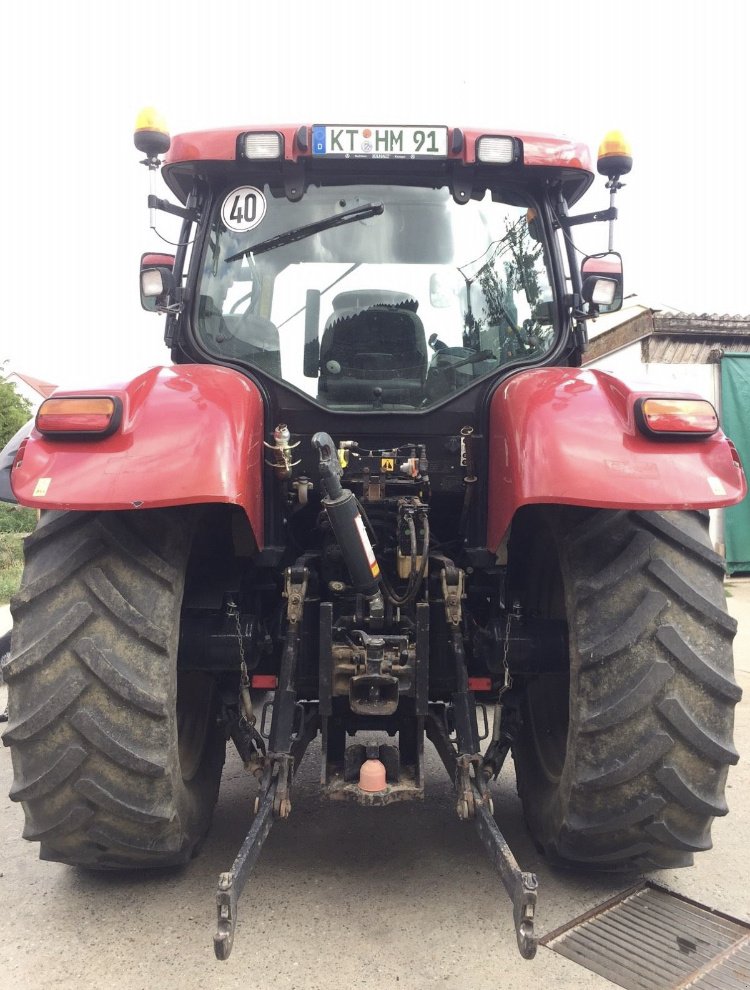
(375, 481)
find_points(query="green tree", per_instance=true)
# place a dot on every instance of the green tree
(521, 272)
(14, 411)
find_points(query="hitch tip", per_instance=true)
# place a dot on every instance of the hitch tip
(225, 920)
(223, 945)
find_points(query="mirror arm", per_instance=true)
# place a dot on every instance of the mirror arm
(173, 311)
(173, 305)
(610, 214)
(578, 316)
(154, 203)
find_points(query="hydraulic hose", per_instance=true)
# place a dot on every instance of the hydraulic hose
(415, 576)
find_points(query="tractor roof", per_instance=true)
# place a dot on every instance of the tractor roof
(571, 160)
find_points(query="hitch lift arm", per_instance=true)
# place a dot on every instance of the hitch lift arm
(461, 759)
(287, 747)
(231, 884)
(520, 885)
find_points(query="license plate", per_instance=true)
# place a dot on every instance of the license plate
(345, 141)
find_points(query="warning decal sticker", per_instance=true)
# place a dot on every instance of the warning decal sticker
(41, 487)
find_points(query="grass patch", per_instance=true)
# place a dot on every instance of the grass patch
(16, 519)
(11, 564)
(15, 523)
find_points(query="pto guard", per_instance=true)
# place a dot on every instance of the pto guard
(568, 436)
(189, 434)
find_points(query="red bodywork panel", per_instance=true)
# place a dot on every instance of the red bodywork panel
(149, 260)
(189, 434)
(221, 145)
(562, 435)
(544, 150)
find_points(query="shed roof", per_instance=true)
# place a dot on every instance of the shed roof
(674, 338)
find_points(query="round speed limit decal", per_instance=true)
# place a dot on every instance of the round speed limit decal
(243, 209)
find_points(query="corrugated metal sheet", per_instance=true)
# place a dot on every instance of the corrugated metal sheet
(669, 337)
(650, 939)
(696, 348)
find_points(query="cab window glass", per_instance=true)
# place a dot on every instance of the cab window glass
(396, 297)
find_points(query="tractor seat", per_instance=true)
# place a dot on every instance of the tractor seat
(373, 340)
(244, 337)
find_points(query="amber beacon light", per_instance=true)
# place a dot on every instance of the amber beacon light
(615, 157)
(151, 133)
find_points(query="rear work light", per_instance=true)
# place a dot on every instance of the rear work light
(79, 416)
(496, 150)
(688, 419)
(260, 145)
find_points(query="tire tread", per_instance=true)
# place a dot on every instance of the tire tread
(651, 712)
(92, 680)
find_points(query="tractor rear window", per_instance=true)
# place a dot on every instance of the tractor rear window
(374, 296)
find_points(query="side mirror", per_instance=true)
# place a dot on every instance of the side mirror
(157, 281)
(602, 283)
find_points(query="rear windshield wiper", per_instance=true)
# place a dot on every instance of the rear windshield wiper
(299, 233)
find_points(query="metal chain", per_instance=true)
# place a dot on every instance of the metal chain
(514, 613)
(244, 677)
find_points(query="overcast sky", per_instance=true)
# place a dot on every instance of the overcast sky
(672, 75)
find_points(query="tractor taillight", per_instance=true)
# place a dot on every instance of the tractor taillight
(80, 416)
(677, 418)
(266, 145)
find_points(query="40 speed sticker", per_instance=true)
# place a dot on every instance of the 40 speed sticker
(243, 209)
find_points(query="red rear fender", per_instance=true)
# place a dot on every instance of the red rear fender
(568, 436)
(189, 434)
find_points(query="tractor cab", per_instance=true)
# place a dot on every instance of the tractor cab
(374, 268)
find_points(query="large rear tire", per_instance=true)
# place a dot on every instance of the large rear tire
(117, 759)
(622, 761)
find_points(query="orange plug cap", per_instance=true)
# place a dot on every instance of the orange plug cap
(372, 776)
